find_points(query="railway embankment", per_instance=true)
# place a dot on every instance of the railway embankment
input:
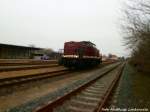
(132, 92)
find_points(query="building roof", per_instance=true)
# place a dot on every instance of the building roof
(9, 45)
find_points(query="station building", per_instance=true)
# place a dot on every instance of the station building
(17, 52)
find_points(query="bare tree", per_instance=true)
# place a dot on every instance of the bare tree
(137, 31)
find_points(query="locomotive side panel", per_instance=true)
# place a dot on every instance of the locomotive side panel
(70, 48)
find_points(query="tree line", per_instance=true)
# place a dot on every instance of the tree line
(136, 27)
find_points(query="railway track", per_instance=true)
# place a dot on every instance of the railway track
(90, 97)
(13, 80)
(34, 77)
(29, 66)
(20, 62)
(25, 67)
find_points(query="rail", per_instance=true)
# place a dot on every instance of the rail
(22, 79)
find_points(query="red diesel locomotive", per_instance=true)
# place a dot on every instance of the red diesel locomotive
(80, 54)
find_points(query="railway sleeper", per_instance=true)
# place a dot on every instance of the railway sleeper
(97, 86)
(82, 104)
(93, 91)
(87, 98)
(91, 94)
(76, 109)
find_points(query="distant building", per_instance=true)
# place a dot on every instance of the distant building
(54, 55)
(40, 55)
(104, 58)
(46, 54)
(113, 57)
(16, 52)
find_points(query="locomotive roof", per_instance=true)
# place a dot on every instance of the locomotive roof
(85, 42)
(88, 42)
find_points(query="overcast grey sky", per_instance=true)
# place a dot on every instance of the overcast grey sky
(49, 23)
